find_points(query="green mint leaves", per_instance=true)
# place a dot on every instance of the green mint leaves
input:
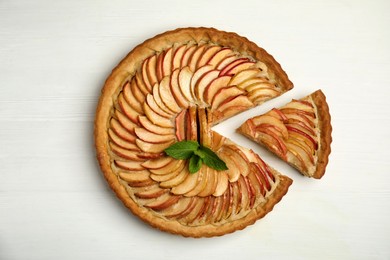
(197, 154)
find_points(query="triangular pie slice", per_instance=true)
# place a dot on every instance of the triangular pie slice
(175, 87)
(299, 133)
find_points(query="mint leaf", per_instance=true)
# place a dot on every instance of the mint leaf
(211, 159)
(195, 163)
(182, 150)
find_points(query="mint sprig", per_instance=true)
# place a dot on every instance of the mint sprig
(197, 154)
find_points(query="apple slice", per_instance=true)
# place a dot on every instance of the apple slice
(192, 126)
(153, 105)
(175, 89)
(231, 65)
(151, 147)
(201, 183)
(234, 106)
(121, 142)
(299, 124)
(225, 198)
(217, 139)
(138, 94)
(185, 77)
(127, 109)
(267, 120)
(303, 134)
(219, 56)
(181, 125)
(259, 85)
(252, 81)
(151, 70)
(131, 100)
(172, 166)
(302, 113)
(272, 141)
(187, 55)
(239, 67)
(154, 192)
(166, 95)
(238, 157)
(262, 94)
(204, 82)
(159, 66)
(216, 209)
(162, 202)
(199, 202)
(229, 200)
(158, 162)
(226, 61)
(167, 62)
(304, 147)
(124, 153)
(169, 175)
(208, 54)
(176, 180)
(211, 183)
(237, 197)
(178, 56)
(125, 122)
(256, 181)
(234, 170)
(300, 104)
(224, 95)
(180, 215)
(137, 178)
(187, 185)
(214, 87)
(159, 102)
(195, 57)
(300, 158)
(197, 75)
(222, 184)
(204, 128)
(156, 118)
(129, 165)
(245, 193)
(144, 73)
(148, 125)
(151, 137)
(141, 84)
(244, 75)
(178, 208)
(121, 132)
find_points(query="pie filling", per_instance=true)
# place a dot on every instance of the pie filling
(178, 94)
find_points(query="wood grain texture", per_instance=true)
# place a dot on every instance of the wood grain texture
(54, 59)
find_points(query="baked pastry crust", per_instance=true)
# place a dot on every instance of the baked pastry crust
(321, 133)
(108, 104)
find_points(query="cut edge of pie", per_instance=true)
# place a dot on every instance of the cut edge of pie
(121, 126)
(301, 129)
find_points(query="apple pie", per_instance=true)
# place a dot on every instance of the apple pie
(175, 87)
(299, 133)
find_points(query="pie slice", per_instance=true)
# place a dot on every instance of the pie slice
(175, 87)
(299, 133)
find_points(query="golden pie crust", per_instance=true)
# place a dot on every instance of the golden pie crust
(136, 120)
(307, 124)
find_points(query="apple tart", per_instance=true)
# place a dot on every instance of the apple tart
(299, 133)
(175, 87)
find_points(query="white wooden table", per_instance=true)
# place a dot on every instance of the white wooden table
(54, 58)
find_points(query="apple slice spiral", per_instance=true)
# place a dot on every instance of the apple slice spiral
(179, 93)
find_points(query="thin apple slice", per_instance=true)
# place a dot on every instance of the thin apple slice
(187, 55)
(204, 82)
(193, 62)
(214, 87)
(169, 175)
(245, 193)
(124, 153)
(166, 95)
(131, 100)
(181, 125)
(129, 165)
(304, 135)
(304, 147)
(148, 125)
(208, 54)
(159, 102)
(229, 199)
(297, 157)
(259, 85)
(144, 73)
(185, 77)
(231, 65)
(217, 139)
(176, 180)
(244, 75)
(256, 181)
(222, 184)
(303, 113)
(151, 137)
(302, 125)
(216, 209)
(153, 105)
(178, 56)
(121, 142)
(162, 202)
(158, 163)
(178, 208)
(234, 106)
(151, 147)
(156, 118)
(239, 67)
(262, 94)
(224, 95)
(141, 84)
(266, 120)
(204, 128)
(219, 56)
(138, 94)
(187, 185)
(224, 205)
(199, 203)
(127, 109)
(198, 74)
(154, 192)
(125, 122)
(180, 215)
(238, 157)
(192, 126)
(159, 66)
(226, 61)
(175, 89)
(273, 141)
(300, 104)
(278, 114)
(152, 70)
(211, 183)
(237, 197)
(233, 171)
(167, 62)
(252, 81)
(201, 183)
(172, 166)
(121, 132)
(135, 176)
